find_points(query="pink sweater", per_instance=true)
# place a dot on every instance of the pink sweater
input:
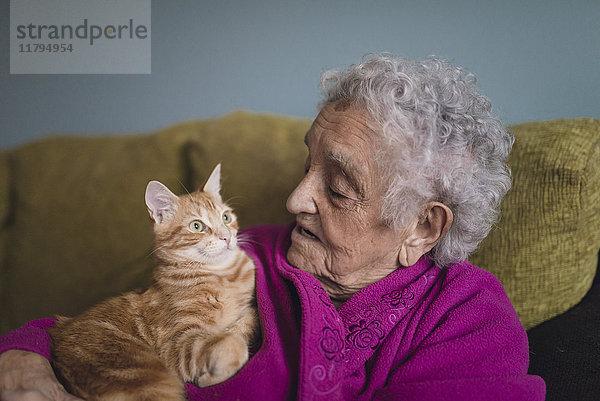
(419, 334)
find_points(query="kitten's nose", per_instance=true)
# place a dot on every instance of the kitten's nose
(225, 237)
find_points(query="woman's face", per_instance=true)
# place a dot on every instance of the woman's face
(339, 236)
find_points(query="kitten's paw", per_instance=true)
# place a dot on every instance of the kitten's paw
(222, 359)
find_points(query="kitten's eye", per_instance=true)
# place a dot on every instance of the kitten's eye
(197, 226)
(227, 218)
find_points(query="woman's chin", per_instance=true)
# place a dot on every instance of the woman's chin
(298, 257)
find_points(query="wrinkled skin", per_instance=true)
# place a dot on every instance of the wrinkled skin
(347, 246)
(340, 237)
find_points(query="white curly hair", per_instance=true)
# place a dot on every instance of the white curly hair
(441, 143)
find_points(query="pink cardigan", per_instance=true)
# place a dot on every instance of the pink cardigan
(421, 333)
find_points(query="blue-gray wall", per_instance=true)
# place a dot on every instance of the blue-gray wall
(535, 59)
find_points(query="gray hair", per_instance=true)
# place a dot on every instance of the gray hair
(440, 143)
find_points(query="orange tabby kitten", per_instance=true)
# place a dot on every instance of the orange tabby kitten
(194, 323)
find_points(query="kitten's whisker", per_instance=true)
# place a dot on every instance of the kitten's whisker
(229, 200)
(245, 239)
(156, 250)
(183, 186)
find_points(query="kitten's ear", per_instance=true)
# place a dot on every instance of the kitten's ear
(213, 184)
(161, 202)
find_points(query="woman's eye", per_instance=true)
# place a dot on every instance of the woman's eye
(336, 194)
(197, 226)
(227, 218)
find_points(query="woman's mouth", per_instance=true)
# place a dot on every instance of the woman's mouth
(307, 233)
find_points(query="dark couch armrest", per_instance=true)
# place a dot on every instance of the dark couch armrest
(565, 350)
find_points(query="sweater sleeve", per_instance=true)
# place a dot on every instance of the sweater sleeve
(470, 345)
(30, 337)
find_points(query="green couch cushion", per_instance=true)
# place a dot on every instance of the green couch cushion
(262, 160)
(76, 228)
(80, 230)
(545, 246)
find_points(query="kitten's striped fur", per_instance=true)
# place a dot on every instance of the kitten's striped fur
(194, 323)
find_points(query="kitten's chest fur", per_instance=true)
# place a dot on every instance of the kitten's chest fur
(188, 295)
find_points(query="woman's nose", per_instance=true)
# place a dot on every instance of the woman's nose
(302, 199)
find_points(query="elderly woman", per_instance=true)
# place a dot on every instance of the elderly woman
(368, 295)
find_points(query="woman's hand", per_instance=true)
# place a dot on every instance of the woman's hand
(25, 376)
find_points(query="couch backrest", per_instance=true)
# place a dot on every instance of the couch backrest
(75, 228)
(545, 246)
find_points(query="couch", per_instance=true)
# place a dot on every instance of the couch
(74, 227)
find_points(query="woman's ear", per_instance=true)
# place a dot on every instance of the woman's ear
(425, 233)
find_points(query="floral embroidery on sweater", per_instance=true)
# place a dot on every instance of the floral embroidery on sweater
(400, 298)
(344, 343)
(323, 381)
(366, 335)
(332, 344)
